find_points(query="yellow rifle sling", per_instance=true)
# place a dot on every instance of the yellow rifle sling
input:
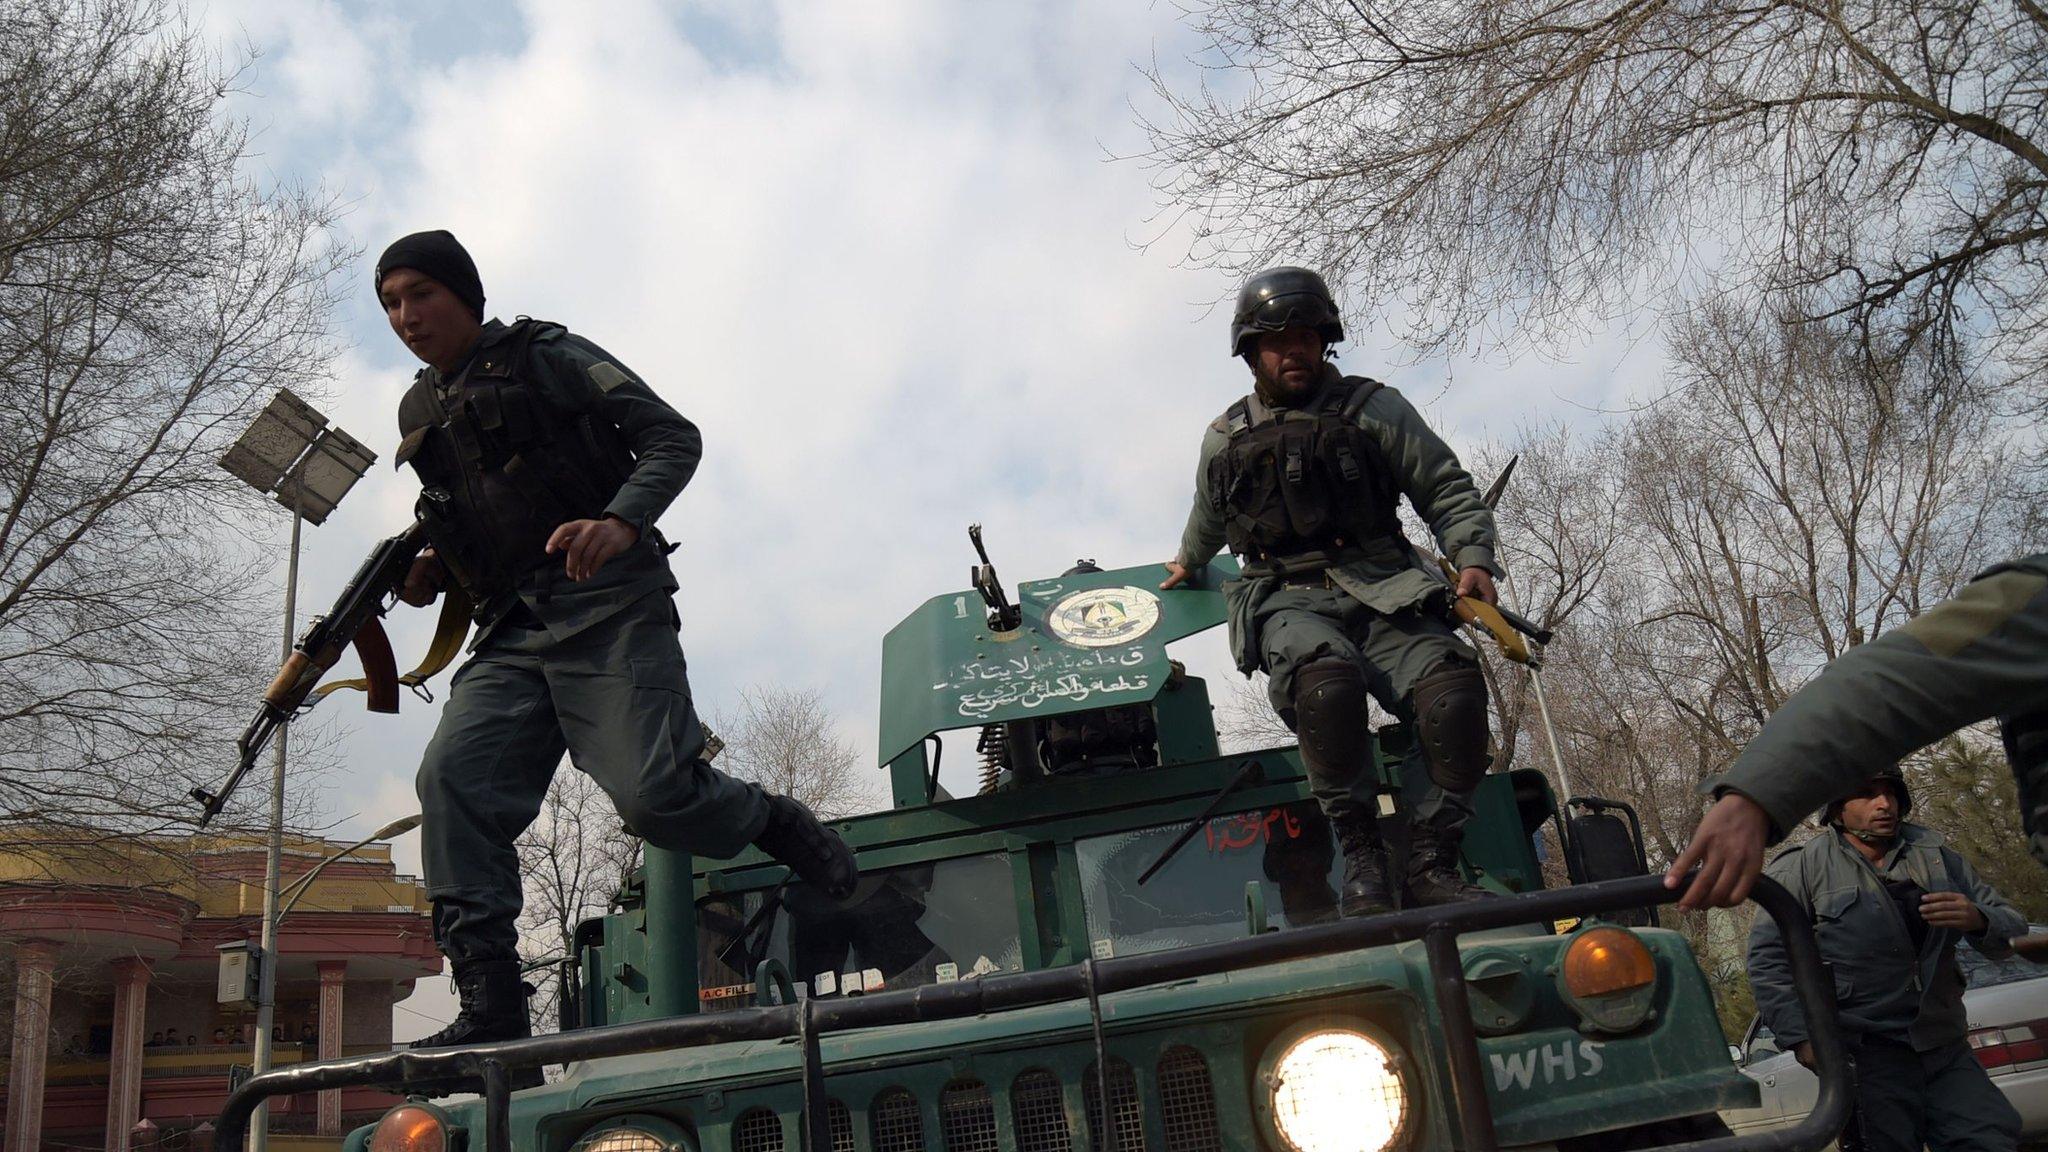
(449, 633)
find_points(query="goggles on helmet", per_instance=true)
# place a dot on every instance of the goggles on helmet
(1294, 310)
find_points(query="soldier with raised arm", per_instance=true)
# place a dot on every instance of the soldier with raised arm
(1979, 656)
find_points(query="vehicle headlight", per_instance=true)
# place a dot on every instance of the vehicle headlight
(1335, 1086)
(411, 1127)
(635, 1134)
(1609, 977)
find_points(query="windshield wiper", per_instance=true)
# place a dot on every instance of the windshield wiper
(1247, 773)
(762, 921)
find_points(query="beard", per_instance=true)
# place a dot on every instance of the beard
(1277, 391)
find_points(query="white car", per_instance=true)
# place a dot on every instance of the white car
(2007, 1003)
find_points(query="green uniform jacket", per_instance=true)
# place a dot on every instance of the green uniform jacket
(1882, 986)
(1982, 654)
(1389, 578)
(666, 448)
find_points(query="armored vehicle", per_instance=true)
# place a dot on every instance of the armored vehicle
(1126, 940)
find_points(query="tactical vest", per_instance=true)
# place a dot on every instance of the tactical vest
(1304, 479)
(504, 463)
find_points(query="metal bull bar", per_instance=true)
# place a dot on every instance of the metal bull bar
(490, 1065)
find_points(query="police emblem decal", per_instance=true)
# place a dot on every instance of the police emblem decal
(1104, 617)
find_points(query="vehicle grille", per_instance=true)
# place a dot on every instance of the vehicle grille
(1125, 1107)
(1038, 1115)
(841, 1121)
(757, 1131)
(894, 1124)
(967, 1116)
(1037, 1105)
(1187, 1102)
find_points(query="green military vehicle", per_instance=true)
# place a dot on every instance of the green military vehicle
(1126, 941)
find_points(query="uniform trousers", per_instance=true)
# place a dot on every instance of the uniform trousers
(1299, 626)
(616, 697)
(1941, 1098)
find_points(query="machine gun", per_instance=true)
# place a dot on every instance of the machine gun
(1003, 616)
(354, 619)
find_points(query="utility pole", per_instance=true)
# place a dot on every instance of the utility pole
(291, 453)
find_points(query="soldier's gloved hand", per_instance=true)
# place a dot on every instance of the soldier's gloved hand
(1729, 848)
(1952, 910)
(1477, 582)
(424, 580)
(587, 544)
(1176, 575)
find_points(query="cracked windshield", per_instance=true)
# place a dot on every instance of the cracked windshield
(1199, 896)
(902, 927)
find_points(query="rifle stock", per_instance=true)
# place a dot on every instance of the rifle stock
(361, 603)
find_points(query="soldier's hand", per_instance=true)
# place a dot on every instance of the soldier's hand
(1729, 849)
(424, 580)
(1477, 582)
(1952, 910)
(586, 544)
(1803, 1052)
(1176, 575)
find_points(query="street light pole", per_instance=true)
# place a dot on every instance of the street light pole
(290, 896)
(266, 980)
(289, 452)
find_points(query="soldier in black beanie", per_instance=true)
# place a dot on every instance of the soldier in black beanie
(441, 257)
(546, 463)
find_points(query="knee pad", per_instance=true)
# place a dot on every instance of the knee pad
(1330, 713)
(1451, 725)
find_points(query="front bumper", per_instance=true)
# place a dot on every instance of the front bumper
(809, 1020)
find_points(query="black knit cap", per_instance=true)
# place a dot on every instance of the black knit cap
(439, 256)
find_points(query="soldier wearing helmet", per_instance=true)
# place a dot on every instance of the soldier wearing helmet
(1301, 478)
(1890, 900)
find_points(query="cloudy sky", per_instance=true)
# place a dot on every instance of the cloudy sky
(880, 252)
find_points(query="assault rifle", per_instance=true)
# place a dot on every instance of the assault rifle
(354, 619)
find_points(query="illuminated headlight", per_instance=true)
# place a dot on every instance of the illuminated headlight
(634, 1134)
(1335, 1087)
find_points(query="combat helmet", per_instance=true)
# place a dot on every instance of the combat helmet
(1894, 774)
(1280, 297)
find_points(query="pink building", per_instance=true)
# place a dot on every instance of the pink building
(109, 975)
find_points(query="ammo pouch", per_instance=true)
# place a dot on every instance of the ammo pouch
(1303, 480)
(505, 463)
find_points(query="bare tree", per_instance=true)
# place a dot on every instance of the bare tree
(151, 297)
(785, 740)
(573, 860)
(1519, 165)
(1961, 788)
(1789, 499)
(1245, 720)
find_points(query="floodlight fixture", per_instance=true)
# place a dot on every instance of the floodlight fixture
(330, 467)
(291, 453)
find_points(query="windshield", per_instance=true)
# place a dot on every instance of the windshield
(1199, 896)
(902, 927)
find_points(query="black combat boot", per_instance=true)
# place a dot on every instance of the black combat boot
(1433, 875)
(493, 1009)
(1366, 890)
(814, 852)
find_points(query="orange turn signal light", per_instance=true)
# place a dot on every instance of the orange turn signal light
(1605, 960)
(409, 1128)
